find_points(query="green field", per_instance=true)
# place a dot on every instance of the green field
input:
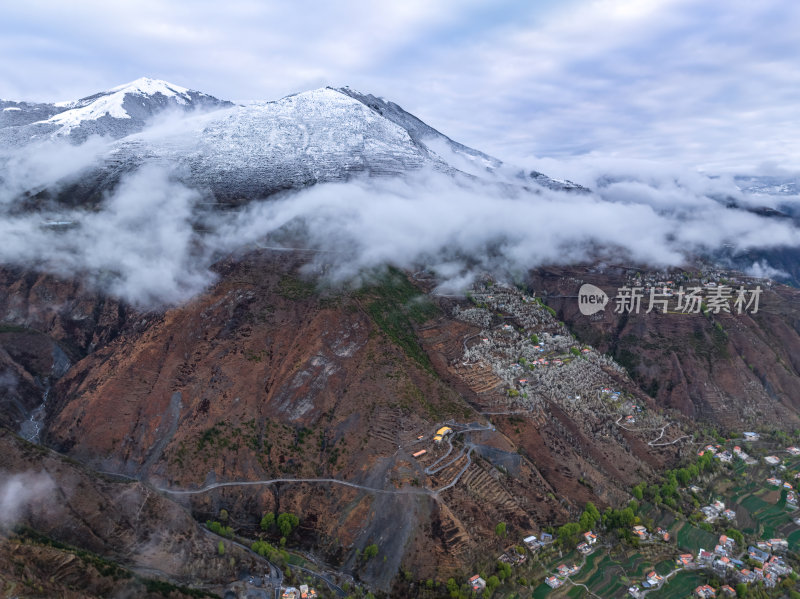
(754, 503)
(665, 567)
(794, 539)
(691, 538)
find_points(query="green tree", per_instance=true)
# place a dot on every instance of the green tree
(500, 529)
(221, 548)
(638, 493)
(286, 522)
(736, 535)
(595, 513)
(370, 551)
(683, 476)
(492, 583)
(568, 534)
(267, 521)
(503, 570)
(216, 527)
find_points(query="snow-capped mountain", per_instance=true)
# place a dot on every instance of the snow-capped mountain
(117, 112)
(238, 153)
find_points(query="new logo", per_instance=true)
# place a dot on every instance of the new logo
(591, 299)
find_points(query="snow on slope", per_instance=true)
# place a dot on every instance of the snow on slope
(258, 149)
(117, 112)
(124, 102)
(239, 153)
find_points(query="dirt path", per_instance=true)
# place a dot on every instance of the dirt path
(273, 481)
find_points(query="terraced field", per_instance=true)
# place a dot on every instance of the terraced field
(605, 576)
(691, 538)
(679, 586)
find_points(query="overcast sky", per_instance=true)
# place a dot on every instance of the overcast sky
(713, 84)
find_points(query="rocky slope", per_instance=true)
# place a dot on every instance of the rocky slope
(122, 521)
(266, 376)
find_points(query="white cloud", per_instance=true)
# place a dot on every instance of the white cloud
(143, 242)
(19, 492)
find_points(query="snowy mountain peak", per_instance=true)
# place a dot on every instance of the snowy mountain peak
(148, 86)
(124, 109)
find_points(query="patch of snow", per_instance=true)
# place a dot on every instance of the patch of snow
(147, 86)
(111, 102)
(11, 108)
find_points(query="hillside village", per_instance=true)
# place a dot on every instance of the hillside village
(535, 357)
(728, 547)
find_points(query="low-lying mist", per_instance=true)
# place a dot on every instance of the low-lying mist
(152, 241)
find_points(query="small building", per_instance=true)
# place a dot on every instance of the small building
(779, 545)
(775, 482)
(477, 583)
(291, 593)
(547, 538)
(793, 450)
(729, 514)
(685, 559)
(590, 537)
(705, 592)
(654, 578)
(757, 554)
(772, 460)
(564, 570)
(749, 436)
(532, 543)
(420, 453)
(704, 557)
(725, 456)
(584, 548)
(640, 531)
(553, 582)
(307, 592)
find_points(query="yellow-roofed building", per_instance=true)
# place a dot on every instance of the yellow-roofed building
(445, 430)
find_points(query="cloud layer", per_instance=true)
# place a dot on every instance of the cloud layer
(152, 244)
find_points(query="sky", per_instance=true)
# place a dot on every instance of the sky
(711, 84)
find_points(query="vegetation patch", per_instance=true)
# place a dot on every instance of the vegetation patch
(293, 288)
(395, 305)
